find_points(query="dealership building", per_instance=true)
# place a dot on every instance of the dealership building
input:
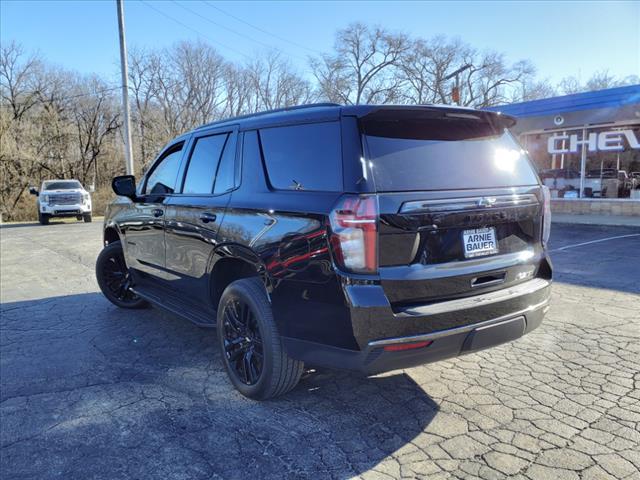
(586, 148)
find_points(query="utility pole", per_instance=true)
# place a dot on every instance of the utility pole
(455, 94)
(128, 153)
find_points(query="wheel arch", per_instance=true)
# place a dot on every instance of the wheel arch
(234, 262)
(110, 234)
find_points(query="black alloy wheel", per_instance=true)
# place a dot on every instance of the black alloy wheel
(253, 352)
(114, 278)
(118, 279)
(242, 341)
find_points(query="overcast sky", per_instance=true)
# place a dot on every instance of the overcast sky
(561, 38)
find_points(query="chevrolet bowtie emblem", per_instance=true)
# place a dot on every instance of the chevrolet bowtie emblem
(486, 201)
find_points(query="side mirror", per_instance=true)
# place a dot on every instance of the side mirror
(125, 186)
(92, 188)
(33, 191)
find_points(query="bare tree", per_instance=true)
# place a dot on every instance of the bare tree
(599, 80)
(56, 123)
(531, 89)
(96, 119)
(238, 87)
(198, 71)
(569, 85)
(274, 84)
(174, 90)
(17, 76)
(490, 79)
(426, 65)
(362, 68)
(142, 83)
(375, 66)
(19, 96)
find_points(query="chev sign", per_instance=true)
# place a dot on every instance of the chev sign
(612, 141)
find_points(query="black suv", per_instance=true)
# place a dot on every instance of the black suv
(363, 237)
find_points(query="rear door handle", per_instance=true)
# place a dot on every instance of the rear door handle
(208, 217)
(158, 212)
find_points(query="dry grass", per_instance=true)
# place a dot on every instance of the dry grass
(101, 198)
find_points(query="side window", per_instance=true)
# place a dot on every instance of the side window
(163, 177)
(201, 172)
(303, 157)
(225, 178)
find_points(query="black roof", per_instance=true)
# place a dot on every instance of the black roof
(295, 114)
(317, 112)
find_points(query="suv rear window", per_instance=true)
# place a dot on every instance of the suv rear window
(443, 151)
(303, 157)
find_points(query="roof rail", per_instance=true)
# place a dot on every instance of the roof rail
(267, 112)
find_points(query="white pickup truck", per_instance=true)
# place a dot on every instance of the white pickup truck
(62, 198)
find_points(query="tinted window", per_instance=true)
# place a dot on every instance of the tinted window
(306, 157)
(451, 155)
(163, 177)
(225, 178)
(201, 171)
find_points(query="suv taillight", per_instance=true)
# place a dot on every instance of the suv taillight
(354, 233)
(546, 219)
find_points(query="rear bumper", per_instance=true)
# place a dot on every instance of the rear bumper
(373, 318)
(472, 324)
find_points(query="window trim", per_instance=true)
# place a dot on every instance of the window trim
(265, 169)
(239, 163)
(232, 132)
(233, 137)
(172, 148)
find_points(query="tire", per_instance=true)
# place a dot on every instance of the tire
(43, 218)
(278, 373)
(79, 217)
(114, 278)
(87, 218)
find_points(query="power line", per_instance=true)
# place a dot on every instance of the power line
(261, 29)
(194, 30)
(88, 94)
(234, 31)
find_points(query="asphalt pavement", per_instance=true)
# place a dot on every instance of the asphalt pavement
(89, 391)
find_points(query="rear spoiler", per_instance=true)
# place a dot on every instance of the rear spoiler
(431, 123)
(417, 112)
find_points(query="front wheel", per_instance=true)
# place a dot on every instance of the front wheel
(43, 218)
(114, 278)
(87, 218)
(252, 350)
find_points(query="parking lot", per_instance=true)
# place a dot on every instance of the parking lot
(91, 391)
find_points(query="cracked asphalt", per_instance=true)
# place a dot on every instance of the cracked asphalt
(89, 391)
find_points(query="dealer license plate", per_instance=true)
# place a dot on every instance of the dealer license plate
(479, 241)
